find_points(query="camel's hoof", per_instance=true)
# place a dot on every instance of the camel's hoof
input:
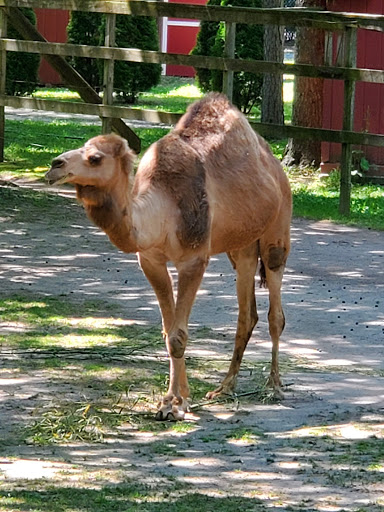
(172, 409)
(211, 395)
(220, 391)
(169, 417)
(277, 386)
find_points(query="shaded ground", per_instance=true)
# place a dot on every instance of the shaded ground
(321, 448)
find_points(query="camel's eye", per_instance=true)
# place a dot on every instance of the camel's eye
(95, 159)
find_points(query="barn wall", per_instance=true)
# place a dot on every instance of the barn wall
(52, 24)
(369, 99)
(179, 36)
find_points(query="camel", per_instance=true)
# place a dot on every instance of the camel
(211, 185)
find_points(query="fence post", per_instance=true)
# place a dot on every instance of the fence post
(3, 61)
(229, 53)
(350, 59)
(110, 31)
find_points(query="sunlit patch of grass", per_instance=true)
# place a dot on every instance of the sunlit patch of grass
(50, 322)
(172, 95)
(58, 93)
(37, 338)
(186, 91)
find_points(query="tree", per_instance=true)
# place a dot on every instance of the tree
(22, 68)
(272, 107)
(84, 28)
(249, 45)
(308, 93)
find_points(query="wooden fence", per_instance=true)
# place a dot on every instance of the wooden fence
(112, 116)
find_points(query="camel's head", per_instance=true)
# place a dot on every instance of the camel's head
(96, 164)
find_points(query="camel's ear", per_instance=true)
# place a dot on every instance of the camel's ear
(121, 148)
(124, 152)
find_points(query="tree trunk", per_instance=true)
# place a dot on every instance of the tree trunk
(308, 94)
(272, 107)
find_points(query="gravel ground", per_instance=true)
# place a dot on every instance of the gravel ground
(332, 352)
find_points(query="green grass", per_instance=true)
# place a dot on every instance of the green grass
(319, 199)
(172, 95)
(30, 146)
(125, 497)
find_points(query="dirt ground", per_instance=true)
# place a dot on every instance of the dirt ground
(306, 451)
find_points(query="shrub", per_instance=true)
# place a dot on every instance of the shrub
(22, 68)
(249, 45)
(84, 28)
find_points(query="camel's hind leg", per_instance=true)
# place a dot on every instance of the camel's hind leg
(274, 256)
(244, 262)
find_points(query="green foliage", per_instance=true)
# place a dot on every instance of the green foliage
(360, 165)
(131, 78)
(249, 45)
(84, 28)
(22, 68)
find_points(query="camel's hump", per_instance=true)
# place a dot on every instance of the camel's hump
(208, 115)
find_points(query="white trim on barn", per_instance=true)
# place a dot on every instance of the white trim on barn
(181, 23)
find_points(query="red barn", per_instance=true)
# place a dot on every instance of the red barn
(179, 36)
(369, 99)
(52, 24)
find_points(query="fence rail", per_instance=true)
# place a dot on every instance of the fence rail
(54, 52)
(252, 16)
(197, 61)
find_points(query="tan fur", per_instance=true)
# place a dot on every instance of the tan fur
(212, 185)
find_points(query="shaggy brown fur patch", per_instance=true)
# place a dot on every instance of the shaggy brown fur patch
(205, 117)
(181, 173)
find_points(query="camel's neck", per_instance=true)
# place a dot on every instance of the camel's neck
(111, 211)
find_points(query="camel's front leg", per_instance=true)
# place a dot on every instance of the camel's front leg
(174, 404)
(155, 270)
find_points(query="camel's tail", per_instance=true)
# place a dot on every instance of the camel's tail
(263, 275)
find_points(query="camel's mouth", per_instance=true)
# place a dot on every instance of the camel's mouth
(55, 176)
